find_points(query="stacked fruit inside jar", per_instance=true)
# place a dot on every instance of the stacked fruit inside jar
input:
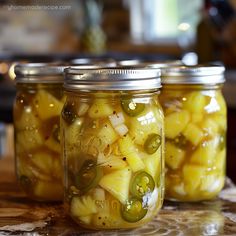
(195, 127)
(37, 140)
(113, 159)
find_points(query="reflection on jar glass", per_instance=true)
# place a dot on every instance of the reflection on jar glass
(38, 104)
(112, 135)
(195, 132)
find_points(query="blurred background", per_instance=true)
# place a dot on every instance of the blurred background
(195, 31)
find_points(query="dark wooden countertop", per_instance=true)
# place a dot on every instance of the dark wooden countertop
(20, 216)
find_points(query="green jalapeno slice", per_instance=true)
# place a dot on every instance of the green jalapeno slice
(152, 143)
(133, 210)
(88, 176)
(131, 108)
(69, 113)
(141, 184)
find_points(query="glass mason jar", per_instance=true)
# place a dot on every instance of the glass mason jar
(38, 104)
(195, 132)
(112, 136)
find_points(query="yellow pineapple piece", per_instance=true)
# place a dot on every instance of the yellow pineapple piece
(100, 108)
(220, 120)
(82, 109)
(175, 123)
(220, 160)
(28, 120)
(221, 102)
(111, 162)
(53, 145)
(83, 206)
(107, 220)
(195, 102)
(213, 182)
(179, 189)
(27, 140)
(210, 127)
(48, 190)
(99, 194)
(117, 184)
(46, 105)
(142, 126)
(174, 156)
(43, 161)
(153, 164)
(107, 134)
(193, 133)
(86, 219)
(196, 117)
(205, 154)
(193, 176)
(53, 141)
(23, 167)
(128, 150)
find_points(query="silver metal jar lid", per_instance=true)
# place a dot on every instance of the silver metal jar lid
(200, 74)
(39, 72)
(112, 79)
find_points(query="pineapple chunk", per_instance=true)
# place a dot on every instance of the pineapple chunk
(128, 150)
(46, 105)
(195, 102)
(27, 120)
(53, 141)
(196, 117)
(153, 164)
(86, 219)
(100, 108)
(49, 190)
(107, 134)
(210, 127)
(27, 140)
(117, 119)
(107, 220)
(23, 167)
(175, 123)
(142, 126)
(220, 160)
(220, 120)
(221, 102)
(117, 184)
(121, 129)
(99, 194)
(43, 161)
(174, 156)
(205, 153)
(193, 134)
(193, 176)
(213, 182)
(53, 145)
(111, 162)
(83, 206)
(82, 109)
(179, 189)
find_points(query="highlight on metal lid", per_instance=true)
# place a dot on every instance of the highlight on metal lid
(198, 74)
(103, 62)
(112, 79)
(149, 63)
(39, 72)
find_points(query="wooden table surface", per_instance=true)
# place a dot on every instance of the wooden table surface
(20, 216)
